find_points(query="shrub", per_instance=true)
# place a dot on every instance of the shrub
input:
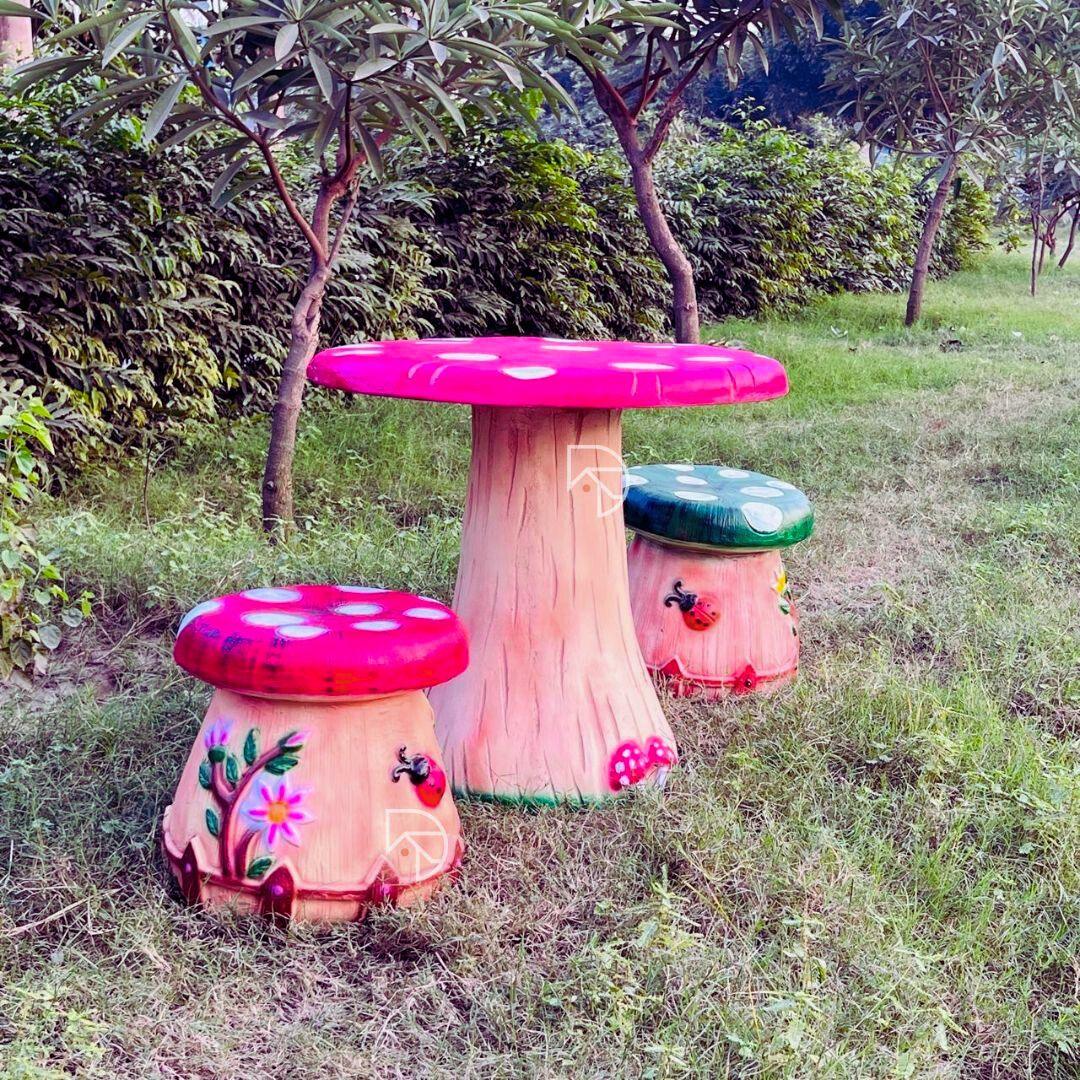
(122, 285)
(534, 237)
(31, 590)
(771, 219)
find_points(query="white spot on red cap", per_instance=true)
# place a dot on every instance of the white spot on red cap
(207, 607)
(358, 589)
(427, 613)
(301, 632)
(640, 365)
(358, 609)
(272, 596)
(377, 624)
(570, 346)
(271, 618)
(467, 356)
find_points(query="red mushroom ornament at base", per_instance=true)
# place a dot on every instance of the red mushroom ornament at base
(292, 802)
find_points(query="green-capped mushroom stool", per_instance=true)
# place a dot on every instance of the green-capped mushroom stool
(707, 586)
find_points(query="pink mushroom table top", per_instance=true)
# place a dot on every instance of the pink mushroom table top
(551, 372)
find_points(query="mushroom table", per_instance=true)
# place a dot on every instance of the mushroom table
(556, 705)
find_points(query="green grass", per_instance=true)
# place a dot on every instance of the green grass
(874, 874)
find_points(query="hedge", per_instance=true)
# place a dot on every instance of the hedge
(121, 289)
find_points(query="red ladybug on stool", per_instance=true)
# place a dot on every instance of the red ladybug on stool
(697, 614)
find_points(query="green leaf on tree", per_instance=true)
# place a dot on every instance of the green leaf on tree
(213, 825)
(291, 742)
(251, 747)
(204, 775)
(258, 867)
(216, 754)
(232, 769)
(282, 764)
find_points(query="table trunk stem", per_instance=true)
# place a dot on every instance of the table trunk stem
(556, 683)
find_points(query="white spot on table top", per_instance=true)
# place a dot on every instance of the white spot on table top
(763, 517)
(696, 496)
(272, 596)
(695, 480)
(759, 492)
(733, 474)
(680, 468)
(634, 480)
(783, 485)
(528, 372)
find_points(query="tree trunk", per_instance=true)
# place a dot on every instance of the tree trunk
(1072, 239)
(684, 307)
(16, 39)
(680, 272)
(277, 489)
(926, 243)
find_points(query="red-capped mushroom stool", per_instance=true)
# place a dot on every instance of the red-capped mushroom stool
(707, 586)
(314, 789)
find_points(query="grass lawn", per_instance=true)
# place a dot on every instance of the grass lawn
(873, 874)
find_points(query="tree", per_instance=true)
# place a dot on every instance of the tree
(333, 79)
(950, 80)
(654, 53)
(1049, 193)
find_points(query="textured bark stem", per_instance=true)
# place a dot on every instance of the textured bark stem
(556, 680)
(684, 306)
(277, 489)
(1072, 239)
(926, 243)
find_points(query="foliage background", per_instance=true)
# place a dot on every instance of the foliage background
(130, 298)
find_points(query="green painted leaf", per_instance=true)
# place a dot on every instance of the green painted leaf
(258, 867)
(282, 765)
(213, 823)
(251, 746)
(204, 775)
(216, 754)
(232, 769)
(292, 741)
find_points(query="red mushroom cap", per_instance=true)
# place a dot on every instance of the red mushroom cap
(531, 371)
(321, 641)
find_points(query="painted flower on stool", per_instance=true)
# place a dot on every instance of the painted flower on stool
(216, 739)
(278, 812)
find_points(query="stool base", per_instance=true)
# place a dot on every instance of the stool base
(305, 810)
(713, 623)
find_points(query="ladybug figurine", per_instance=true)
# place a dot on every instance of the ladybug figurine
(425, 775)
(697, 614)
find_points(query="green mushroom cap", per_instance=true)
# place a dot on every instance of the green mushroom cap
(709, 506)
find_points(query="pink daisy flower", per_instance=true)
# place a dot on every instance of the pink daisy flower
(278, 813)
